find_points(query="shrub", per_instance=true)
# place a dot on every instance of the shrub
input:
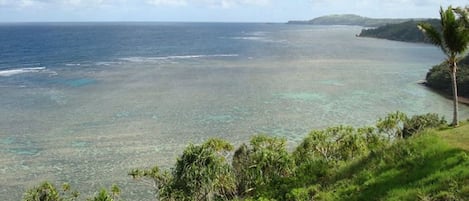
(438, 77)
(333, 144)
(261, 165)
(418, 123)
(104, 195)
(48, 192)
(303, 194)
(392, 125)
(200, 173)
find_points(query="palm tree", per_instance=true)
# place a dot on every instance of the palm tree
(463, 14)
(453, 41)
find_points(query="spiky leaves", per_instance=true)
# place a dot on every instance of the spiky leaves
(453, 40)
(202, 173)
(261, 163)
(433, 35)
(47, 191)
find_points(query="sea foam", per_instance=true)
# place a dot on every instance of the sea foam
(171, 58)
(10, 72)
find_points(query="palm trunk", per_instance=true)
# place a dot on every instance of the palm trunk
(454, 85)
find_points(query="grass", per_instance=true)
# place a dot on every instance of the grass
(458, 137)
(431, 166)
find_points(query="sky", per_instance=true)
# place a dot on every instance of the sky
(213, 10)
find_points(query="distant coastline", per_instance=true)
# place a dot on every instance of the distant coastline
(404, 30)
(397, 29)
(351, 19)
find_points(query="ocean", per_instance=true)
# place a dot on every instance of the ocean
(86, 102)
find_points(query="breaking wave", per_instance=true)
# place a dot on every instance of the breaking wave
(172, 58)
(10, 72)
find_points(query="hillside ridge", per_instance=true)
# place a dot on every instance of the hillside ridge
(352, 20)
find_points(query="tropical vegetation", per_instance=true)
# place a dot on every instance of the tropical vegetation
(397, 159)
(404, 31)
(453, 40)
(350, 19)
(438, 78)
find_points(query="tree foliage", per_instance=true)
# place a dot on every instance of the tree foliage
(264, 168)
(405, 31)
(332, 145)
(392, 125)
(418, 123)
(47, 191)
(105, 195)
(439, 78)
(261, 163)
(200, 173)
(453, 40)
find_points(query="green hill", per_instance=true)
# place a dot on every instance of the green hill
(349, 19)
(438, 78)
(404, 31)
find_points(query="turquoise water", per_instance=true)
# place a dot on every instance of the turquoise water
(86, 110)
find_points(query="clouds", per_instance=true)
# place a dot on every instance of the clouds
(208, 3)
(380, 3)
(384, 8)
(156, 3)
(167, 2)
(50, 3)
(213, 10)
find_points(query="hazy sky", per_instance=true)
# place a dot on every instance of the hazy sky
(213, 10)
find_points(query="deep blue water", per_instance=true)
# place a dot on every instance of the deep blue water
(56, 44)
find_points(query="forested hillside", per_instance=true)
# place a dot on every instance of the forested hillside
(349, 19)
(438, 78)
(405, 31)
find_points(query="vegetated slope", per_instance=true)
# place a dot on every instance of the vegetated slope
(438, 78)
(457, 137)
(349, 19)
(424, 167)
(393, 160)
(405, 31)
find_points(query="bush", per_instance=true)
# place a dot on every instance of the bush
(303, 194)
(392, 125)
(104, 195)
(439, 78)
(48, 192)
(261, 165)
(200, 173)
(418, 123)
(335, 144)
(337, 163)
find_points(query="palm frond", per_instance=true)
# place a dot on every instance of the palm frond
(455, 33)
(463, 14)
(433, 35)
(431, 32)
(453, 39)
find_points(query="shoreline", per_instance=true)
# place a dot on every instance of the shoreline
(461, 99)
